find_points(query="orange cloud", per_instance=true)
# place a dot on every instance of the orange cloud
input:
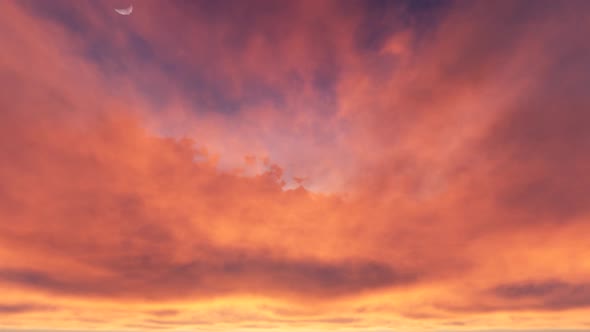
(439, 163)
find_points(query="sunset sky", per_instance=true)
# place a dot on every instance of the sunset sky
(295, 165)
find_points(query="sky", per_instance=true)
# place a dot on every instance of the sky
(296, 165)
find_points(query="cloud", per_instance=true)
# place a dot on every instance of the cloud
(19, 308)
(439, 151)
(549, 294)
(147, 277)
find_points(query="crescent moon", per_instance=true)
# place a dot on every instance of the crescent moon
(125, 11)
